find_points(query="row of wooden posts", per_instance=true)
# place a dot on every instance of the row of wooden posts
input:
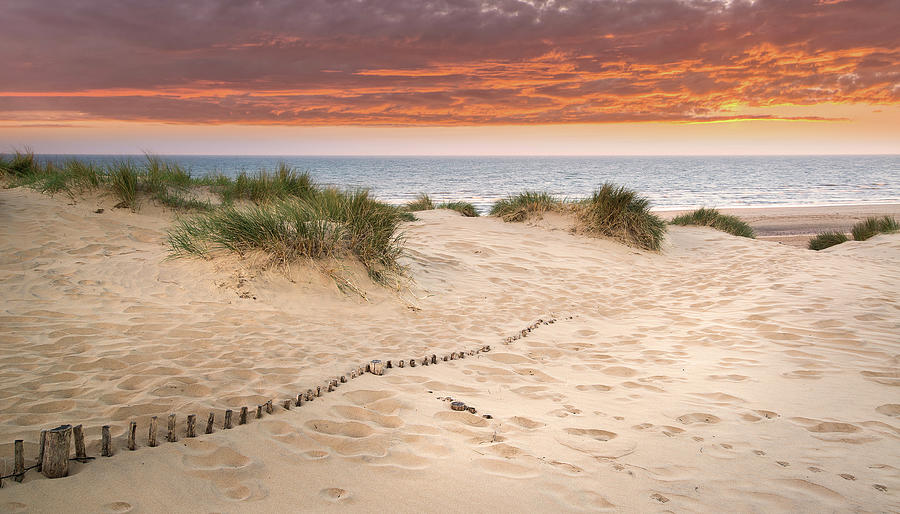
(55, 444)
(54, 451)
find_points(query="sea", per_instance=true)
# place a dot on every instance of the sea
(670, 182)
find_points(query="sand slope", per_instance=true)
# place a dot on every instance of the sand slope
(722, 374)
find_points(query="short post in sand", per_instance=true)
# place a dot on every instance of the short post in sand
(170, 433)
(151, 434)
(191, 430)
(376, 367)
(19, 464)
(80, 453)
(243, 417)
(132, 428)
(55, 463)
(105, 442)
(228, 422)
(40, 461)
(209, 422)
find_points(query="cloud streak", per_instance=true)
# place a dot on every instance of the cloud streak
(452, 62)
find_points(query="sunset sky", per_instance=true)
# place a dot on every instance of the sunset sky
(451, 77)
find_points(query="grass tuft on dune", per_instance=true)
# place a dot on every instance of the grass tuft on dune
(705, 217)
(622, 214)
(521, 206)
(323, 223)
(611, 211)
(421, 203)
(873, 226)
(827, 239)
(465, 208)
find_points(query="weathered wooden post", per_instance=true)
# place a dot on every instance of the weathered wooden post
(299, 400)
(258, 411)
(210, 422)
(434, 359)
(287, 404)
(191, 430)
(228, 423)
(170, 433)
(412, 363)
(151, 434)
(19, 464)
(343, 379)
(80, 453)
(40, 461)
(55, 463)
(243, 420)
(376, 367)
(132, 428)
(318, 391)
(269, 408)
(459, 406)
(105, 442)
(400, 363)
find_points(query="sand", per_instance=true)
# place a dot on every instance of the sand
(722, 374)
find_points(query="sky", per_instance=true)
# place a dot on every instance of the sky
(420, 77)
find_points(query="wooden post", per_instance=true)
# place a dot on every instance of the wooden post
(318, 391)
(446, 358)
(334, 382)
(243, 420)
(40, 461)
(400, 363)
(191, 426)
(151, 435)
(330, 387)
(80, 454)
(132, 428)
(210, 422)
(309, 395)
(105, 442)
(299, 400)
(460, 406)
(269, 409)
(453, 356)
(228, 423)
(56, 452)
(412, 363)
(258, 411)
(19, 469)
(287, 404)
(170, 433)
(377, 367)
(434, 359)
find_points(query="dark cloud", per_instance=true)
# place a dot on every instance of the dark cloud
(441, 62)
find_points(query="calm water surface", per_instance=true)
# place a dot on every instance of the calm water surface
(670, 182)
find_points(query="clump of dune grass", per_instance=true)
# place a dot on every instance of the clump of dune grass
(422, 203)
(124, 184)
(873, 226)
(464, 208)
(620, 213)
(524, 205)
(263, 186)
(713, 218)
(20, 164)
(827, 239)
(323, 223)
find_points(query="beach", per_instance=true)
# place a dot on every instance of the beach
(719, 374)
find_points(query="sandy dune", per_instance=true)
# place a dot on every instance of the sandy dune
(723, 374)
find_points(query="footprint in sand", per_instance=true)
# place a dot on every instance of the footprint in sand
(117, 507)
(599, 435)
(13, 507)
(334, 494)
(889, 409)
(697, 417)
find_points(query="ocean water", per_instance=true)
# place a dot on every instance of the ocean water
(669, 182)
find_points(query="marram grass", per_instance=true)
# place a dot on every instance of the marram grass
(421, 203)
(323, 223)
(465, 208)
(873, 226)
(524, 205)
(620, 213)
(713, 218)
(611, 211)
(827, 239)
